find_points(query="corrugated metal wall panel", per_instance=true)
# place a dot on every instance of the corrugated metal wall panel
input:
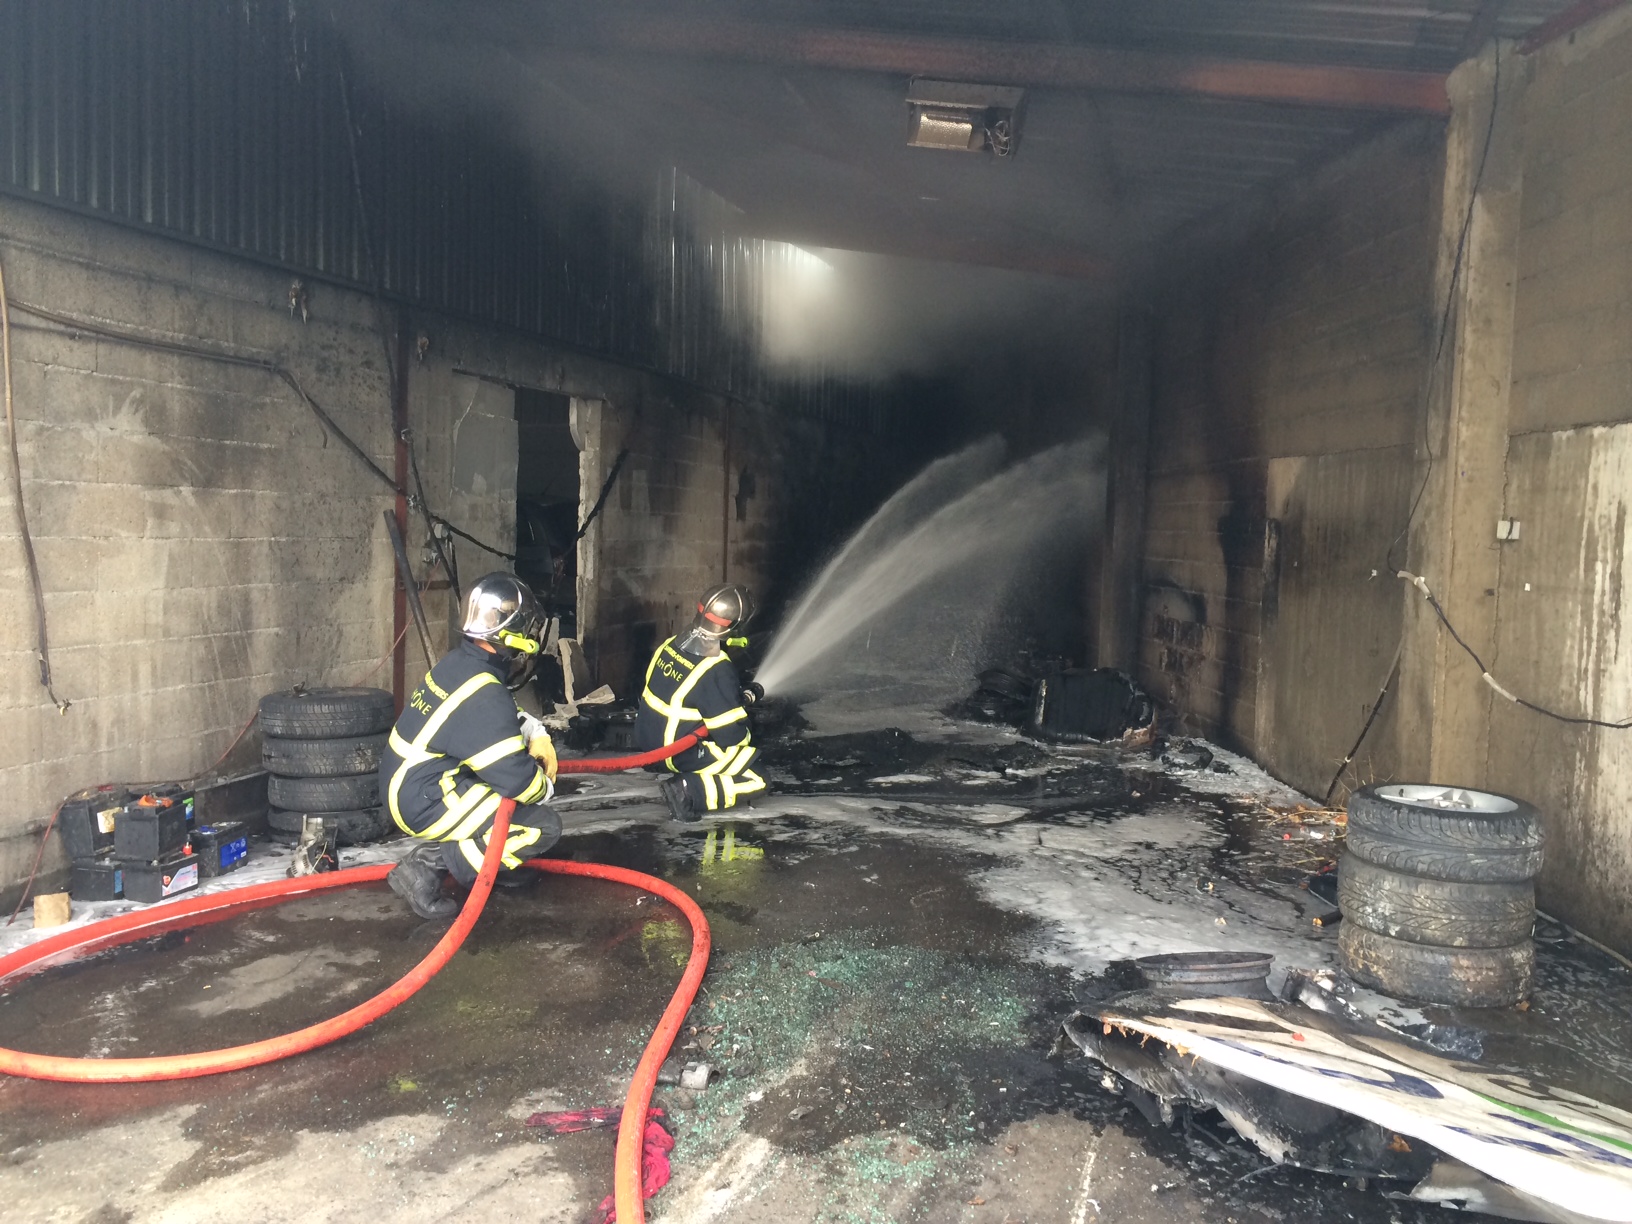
(226, 124)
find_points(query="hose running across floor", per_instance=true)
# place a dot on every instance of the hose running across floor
(124, 928)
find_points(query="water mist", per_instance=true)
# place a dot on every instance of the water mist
(948, 565)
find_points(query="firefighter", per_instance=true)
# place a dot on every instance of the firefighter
(691, 682)
(462, 744)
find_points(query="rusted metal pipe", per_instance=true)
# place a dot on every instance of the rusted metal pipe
(407, 588)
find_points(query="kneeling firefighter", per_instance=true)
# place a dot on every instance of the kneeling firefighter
(691, 682)
(462, 744)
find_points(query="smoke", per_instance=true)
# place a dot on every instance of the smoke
(885, 315)
(541, 76)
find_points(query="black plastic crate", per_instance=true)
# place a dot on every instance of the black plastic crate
(220, 848)
(146, 833)
(150, 882)
(96, 879)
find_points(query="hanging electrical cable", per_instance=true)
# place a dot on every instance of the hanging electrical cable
(71, 326)
(1421, 584)
(42, 644)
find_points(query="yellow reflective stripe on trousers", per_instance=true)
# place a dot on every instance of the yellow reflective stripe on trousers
(458, 810)
(414, 753)
(722, 758)
(474, 820)
(475, 849)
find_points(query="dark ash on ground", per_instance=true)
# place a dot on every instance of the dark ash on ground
(881, 1024)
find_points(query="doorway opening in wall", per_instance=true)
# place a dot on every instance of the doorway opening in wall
(547, 500)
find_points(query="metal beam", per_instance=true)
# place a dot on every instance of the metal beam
(1567, 22)
(1039, 65)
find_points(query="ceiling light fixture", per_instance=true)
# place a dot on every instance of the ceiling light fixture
(958, 115)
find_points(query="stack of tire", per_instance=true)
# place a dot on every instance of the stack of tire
(321, 749)
(1437, 891)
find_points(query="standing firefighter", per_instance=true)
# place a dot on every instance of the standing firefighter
(691, 683)
(462, 744)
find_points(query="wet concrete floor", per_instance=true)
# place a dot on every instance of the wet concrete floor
(881, 1027)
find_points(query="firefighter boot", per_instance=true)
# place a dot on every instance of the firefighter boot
(678, 796)
(417, 879)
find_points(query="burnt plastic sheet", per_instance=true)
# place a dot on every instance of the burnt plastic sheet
(1324, 1092)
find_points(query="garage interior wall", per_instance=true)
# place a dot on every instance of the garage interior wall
(1295, 407)
(203, 540)
(1535, 424)
(1287, 383)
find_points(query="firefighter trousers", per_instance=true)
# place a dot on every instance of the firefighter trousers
(718, 778)
(534, 828)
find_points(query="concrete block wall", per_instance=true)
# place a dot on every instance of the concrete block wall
(712, 491)
(660, 540)
(1296, 416)
(201, 540)
(1308, 338)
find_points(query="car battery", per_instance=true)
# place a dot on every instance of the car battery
(96, 879)
(150, 882)
(85, 824)
(150, 829)
(220, 848)
(177, 794)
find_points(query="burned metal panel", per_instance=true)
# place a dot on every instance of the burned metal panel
(241, 127)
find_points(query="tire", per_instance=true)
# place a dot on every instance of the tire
(1446, 914)
(321, 758)
(1450, 977)
(1004, 684)
(327, 713)
(1439, 863)
(351, 828)
(348, 794)
(1496, 822)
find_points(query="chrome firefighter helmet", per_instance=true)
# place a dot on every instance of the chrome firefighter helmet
(502, 611)
(721, 613)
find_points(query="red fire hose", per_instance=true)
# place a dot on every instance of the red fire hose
(629, 1203)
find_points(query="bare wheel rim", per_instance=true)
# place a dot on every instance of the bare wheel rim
(1448, 799)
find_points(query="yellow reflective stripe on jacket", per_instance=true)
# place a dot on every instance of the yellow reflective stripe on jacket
(535, 789)
(726, 719)
(671, 732)
(415, 752)
(675, 710)
(497, 752)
